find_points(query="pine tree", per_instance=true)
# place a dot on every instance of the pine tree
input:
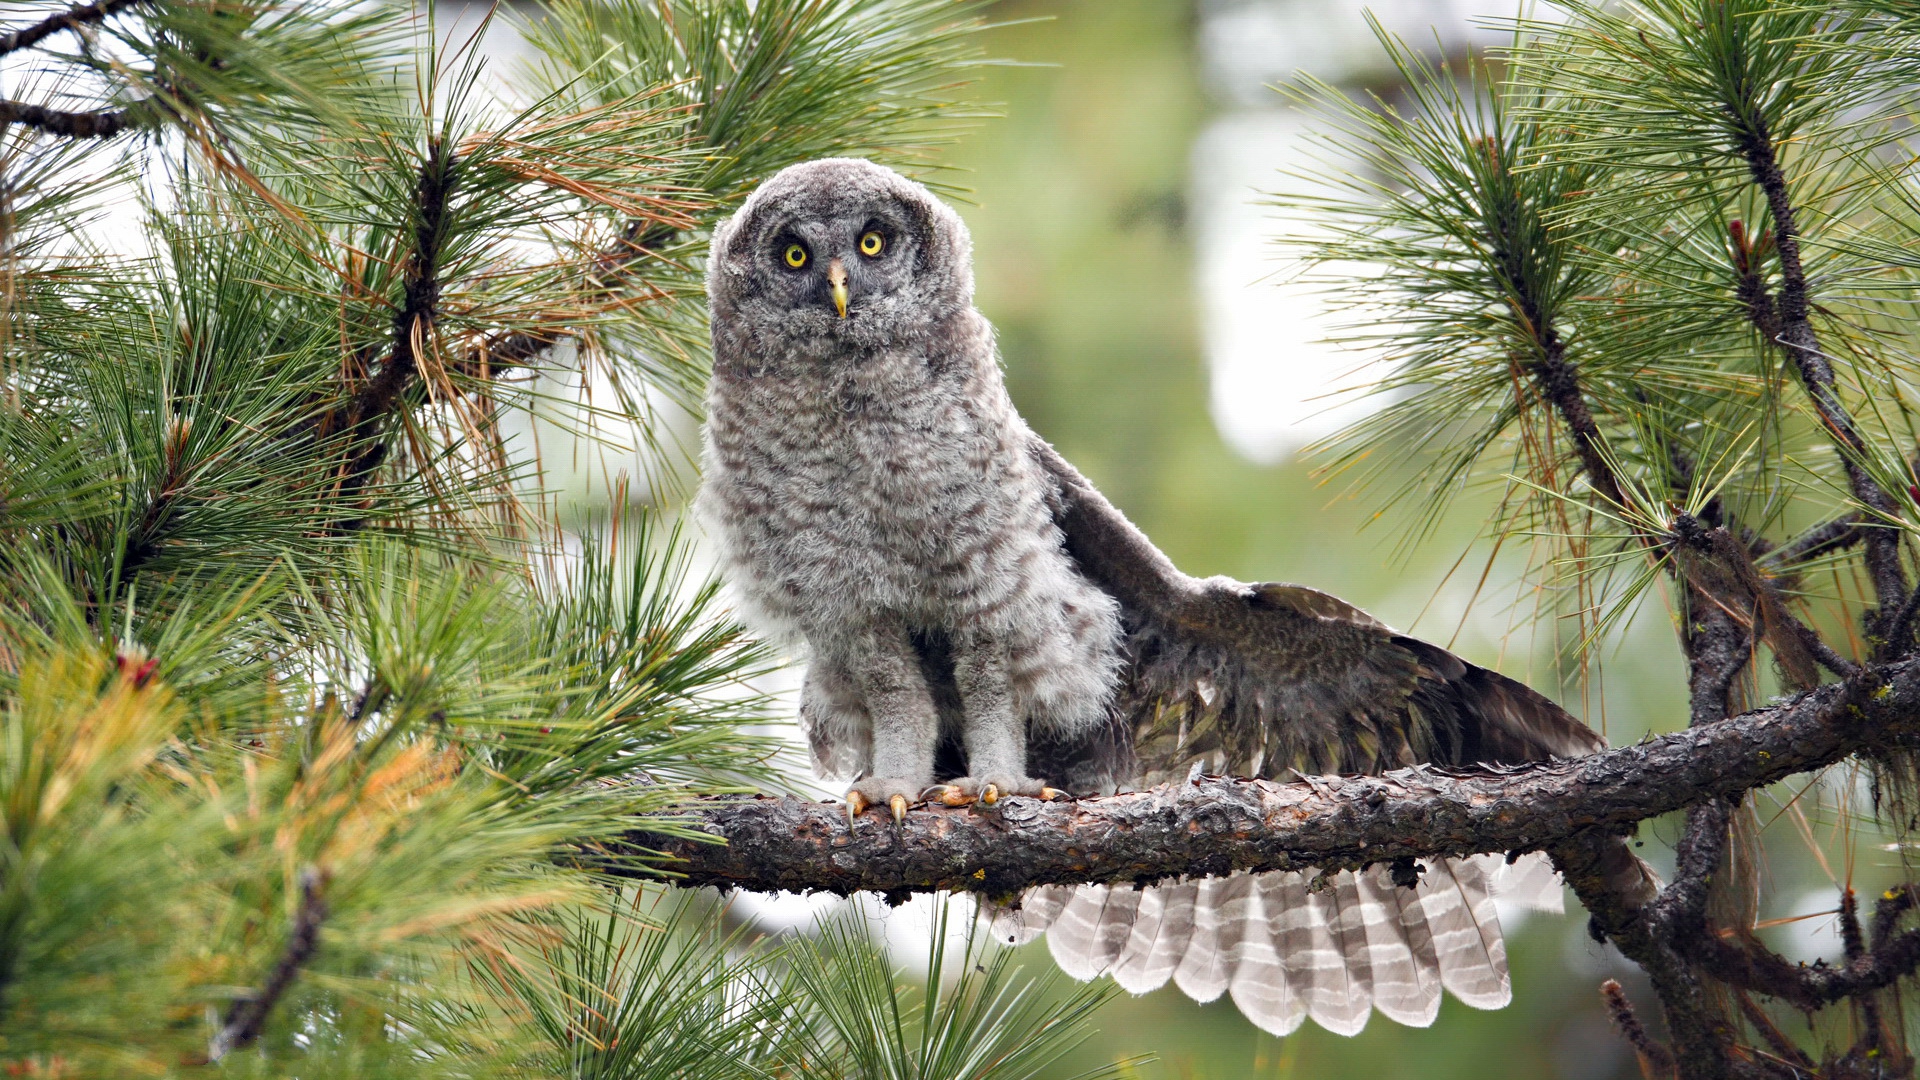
(315, 730)
(1651, 272)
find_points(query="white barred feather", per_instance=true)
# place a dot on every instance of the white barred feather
(1287, 951)
(1176, 928)
(1466, 933)
(1199, 975)
(1260, 987)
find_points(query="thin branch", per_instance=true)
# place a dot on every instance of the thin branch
(509, 350)
(247, 1018)
(1791, 326)
(1653, 1053)
(1217, 826)
(1825, 538)
(71, 19)
(366, 414)
(72, 125)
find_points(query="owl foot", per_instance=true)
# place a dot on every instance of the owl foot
(897, 794)
(968, 790)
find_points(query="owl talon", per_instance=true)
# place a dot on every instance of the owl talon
(990, 794)
(946, 795)
(899, 806)
(1049, 794)
(856, 805)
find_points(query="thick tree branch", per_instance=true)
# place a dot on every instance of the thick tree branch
(1216, 825)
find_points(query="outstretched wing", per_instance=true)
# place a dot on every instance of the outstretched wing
(1258, 680)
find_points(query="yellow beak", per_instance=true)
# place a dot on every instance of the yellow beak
(837, 284)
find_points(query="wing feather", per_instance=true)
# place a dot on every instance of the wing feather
(1266, 680)
(1259, 680)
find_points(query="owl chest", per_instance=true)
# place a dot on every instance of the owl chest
(890, 507)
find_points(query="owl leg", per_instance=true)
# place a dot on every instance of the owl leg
(886, 671)
(994, 736)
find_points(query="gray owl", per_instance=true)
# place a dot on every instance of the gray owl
(980, 623)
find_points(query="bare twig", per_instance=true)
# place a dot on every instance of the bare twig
(1654, 1053)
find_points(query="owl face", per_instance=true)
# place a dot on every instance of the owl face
(838, 253)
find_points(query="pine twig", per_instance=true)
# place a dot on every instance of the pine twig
(520, 347)
(1776, 1039)
(247, 1018)
(1653, 1052)
(1836, 535)
(1791, 326)
(366, 414)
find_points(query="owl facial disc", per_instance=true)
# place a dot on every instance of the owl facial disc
(830, 260)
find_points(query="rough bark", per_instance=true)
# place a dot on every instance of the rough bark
(1218, 825)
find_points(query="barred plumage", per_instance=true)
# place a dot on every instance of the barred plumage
(974, 612)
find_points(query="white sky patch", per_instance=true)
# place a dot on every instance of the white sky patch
(1277, 383)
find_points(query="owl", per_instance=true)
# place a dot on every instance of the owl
(979, 623)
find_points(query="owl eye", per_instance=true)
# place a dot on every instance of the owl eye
(872, 244)
(795, 256)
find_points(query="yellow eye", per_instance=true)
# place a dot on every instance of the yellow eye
(796, 256)
(871, 244)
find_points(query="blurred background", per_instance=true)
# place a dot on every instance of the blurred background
(1151, 328)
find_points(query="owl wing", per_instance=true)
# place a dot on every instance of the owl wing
(1258, 680)
(1267, 679)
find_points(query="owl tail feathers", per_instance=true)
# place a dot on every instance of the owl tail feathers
(1286, 947)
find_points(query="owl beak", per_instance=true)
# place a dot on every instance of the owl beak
(837, 285)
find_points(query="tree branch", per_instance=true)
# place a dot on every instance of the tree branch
(1220, 825)
(366, 413)
(71, 19)
(73, 125)
(247, 1018)
(1836, 535)
(1786, 321)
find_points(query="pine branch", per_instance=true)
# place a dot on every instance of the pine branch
(247, 1018)
(1220, 825)
(1830, 536)
(1559, 382)
(366, 414)
(101, 124)
(1788, 323)
(516, 349)
(71, 19)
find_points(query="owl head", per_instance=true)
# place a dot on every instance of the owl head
(836, 253)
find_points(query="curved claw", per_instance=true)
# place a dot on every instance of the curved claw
(898, 804)
(990, 794)
(856, 805)
(1049, 794)
(946, 795)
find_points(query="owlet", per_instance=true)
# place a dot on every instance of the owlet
(979, 623)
